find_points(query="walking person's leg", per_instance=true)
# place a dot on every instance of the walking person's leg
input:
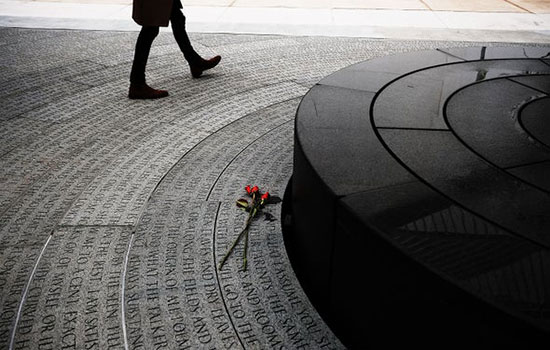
(138, 86)
(178, 28)
(196, 62)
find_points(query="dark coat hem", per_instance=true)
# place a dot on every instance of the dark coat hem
(153, 13)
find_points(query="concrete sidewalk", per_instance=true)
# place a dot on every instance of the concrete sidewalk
(493, 20)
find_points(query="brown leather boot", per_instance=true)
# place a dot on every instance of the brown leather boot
(198, 68)
(145, 92)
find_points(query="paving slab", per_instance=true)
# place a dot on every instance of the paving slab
(473, 5)
(534, 6)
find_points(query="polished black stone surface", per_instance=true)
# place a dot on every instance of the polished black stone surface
(534, 120)
(421, 198)
(322, 135)
(498, 136)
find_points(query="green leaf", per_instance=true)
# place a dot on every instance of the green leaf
(242, 203)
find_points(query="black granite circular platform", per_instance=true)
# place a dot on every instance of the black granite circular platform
(421, 198)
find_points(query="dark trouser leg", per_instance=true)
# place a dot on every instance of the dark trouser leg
(178, 28)
(143, 46)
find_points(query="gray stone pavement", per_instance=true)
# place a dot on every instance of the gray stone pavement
(114, 213)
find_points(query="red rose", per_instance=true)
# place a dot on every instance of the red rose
(248, 190)
(255, 189)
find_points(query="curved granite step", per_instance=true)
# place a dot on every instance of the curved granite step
(422, 172)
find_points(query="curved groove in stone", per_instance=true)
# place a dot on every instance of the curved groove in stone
(496, 139)
(527, 127)
(397, 99)
(85, 162)
(78, 277)
(533, 84)
(237, 314)
(237, 155)
(512, 227)
(122, 294)
(411, 170)
(218, 277)
(408, 227)
(24, 295)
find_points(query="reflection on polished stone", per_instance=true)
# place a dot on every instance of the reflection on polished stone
(534, 119)
(450, 223)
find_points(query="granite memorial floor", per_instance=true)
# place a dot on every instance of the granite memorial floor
(114, 213)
